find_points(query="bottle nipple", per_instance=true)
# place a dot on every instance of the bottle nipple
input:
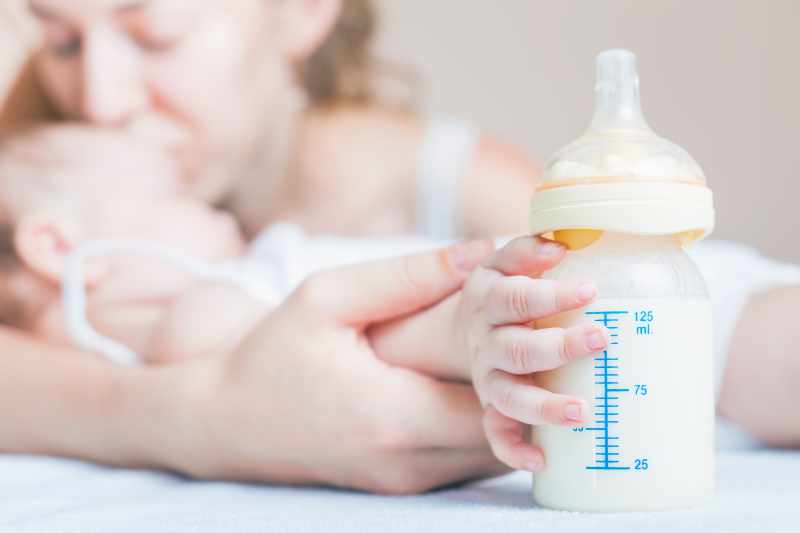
(617, 103)
(620, 175)
(619, 145)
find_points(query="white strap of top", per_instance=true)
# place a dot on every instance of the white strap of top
(448, 148)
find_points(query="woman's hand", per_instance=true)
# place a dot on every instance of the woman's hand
(484, 335)
(305, 399)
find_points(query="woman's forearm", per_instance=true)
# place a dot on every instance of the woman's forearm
(54, 403)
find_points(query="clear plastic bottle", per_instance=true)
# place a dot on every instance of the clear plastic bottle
(648, 443)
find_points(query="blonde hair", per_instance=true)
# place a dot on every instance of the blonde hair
(341, 70)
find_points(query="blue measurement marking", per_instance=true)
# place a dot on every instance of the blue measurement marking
(606, 413)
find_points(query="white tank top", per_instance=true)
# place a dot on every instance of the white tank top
(447, 150)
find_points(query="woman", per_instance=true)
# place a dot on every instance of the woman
(265, 124)
(269, 121)
(263, 101)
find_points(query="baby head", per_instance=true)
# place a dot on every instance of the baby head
(46, 218)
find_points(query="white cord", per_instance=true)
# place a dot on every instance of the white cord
(73, 290)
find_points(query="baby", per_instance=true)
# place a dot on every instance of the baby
(161, 313)
(130, 296)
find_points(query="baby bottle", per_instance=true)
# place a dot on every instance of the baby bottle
(626, 202)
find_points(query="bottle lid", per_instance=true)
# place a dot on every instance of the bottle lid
(620, 175)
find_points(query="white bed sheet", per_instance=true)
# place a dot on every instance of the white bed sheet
(757, 491)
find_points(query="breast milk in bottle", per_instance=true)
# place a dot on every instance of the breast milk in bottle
(626, 202)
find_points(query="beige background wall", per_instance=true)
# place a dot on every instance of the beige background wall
(720, 77)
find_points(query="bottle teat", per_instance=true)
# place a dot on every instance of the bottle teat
(620, 175)
(616, 93)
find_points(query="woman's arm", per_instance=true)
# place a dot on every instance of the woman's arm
(303, 399)
(54, 401)
(761, 387)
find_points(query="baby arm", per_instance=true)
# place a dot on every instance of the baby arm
(206, 319)
(761, 386)
(484, 334)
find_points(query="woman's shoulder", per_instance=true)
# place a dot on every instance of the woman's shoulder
(354, 145)
(400, 134)
(382, 128)
(367, 147)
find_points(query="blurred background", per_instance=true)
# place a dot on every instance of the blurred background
(719, 77)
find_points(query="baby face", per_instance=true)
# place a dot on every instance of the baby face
(129, 291)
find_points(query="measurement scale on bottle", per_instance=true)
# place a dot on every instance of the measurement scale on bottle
(607, 380)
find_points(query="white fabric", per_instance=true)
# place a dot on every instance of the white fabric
(446, 151)
(756, 491)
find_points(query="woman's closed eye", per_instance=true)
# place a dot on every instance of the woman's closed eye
(155, 42)
(66, 43)
(155, 34)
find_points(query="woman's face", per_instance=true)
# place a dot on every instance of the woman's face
(216, 70)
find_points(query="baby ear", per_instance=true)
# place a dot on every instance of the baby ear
(306, 24)
(44, 241)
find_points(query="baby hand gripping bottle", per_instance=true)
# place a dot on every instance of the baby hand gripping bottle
(626, 202)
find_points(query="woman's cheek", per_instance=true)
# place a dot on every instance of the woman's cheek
(202, 81)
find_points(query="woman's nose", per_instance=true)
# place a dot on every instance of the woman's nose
(114, 88)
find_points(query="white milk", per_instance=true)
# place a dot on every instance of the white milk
(649, 442)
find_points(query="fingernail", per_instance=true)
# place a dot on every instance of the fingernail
(533, 465)
(572, 411)
(586, 291)
(595, 340)
(549, 248)
(466, 256)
